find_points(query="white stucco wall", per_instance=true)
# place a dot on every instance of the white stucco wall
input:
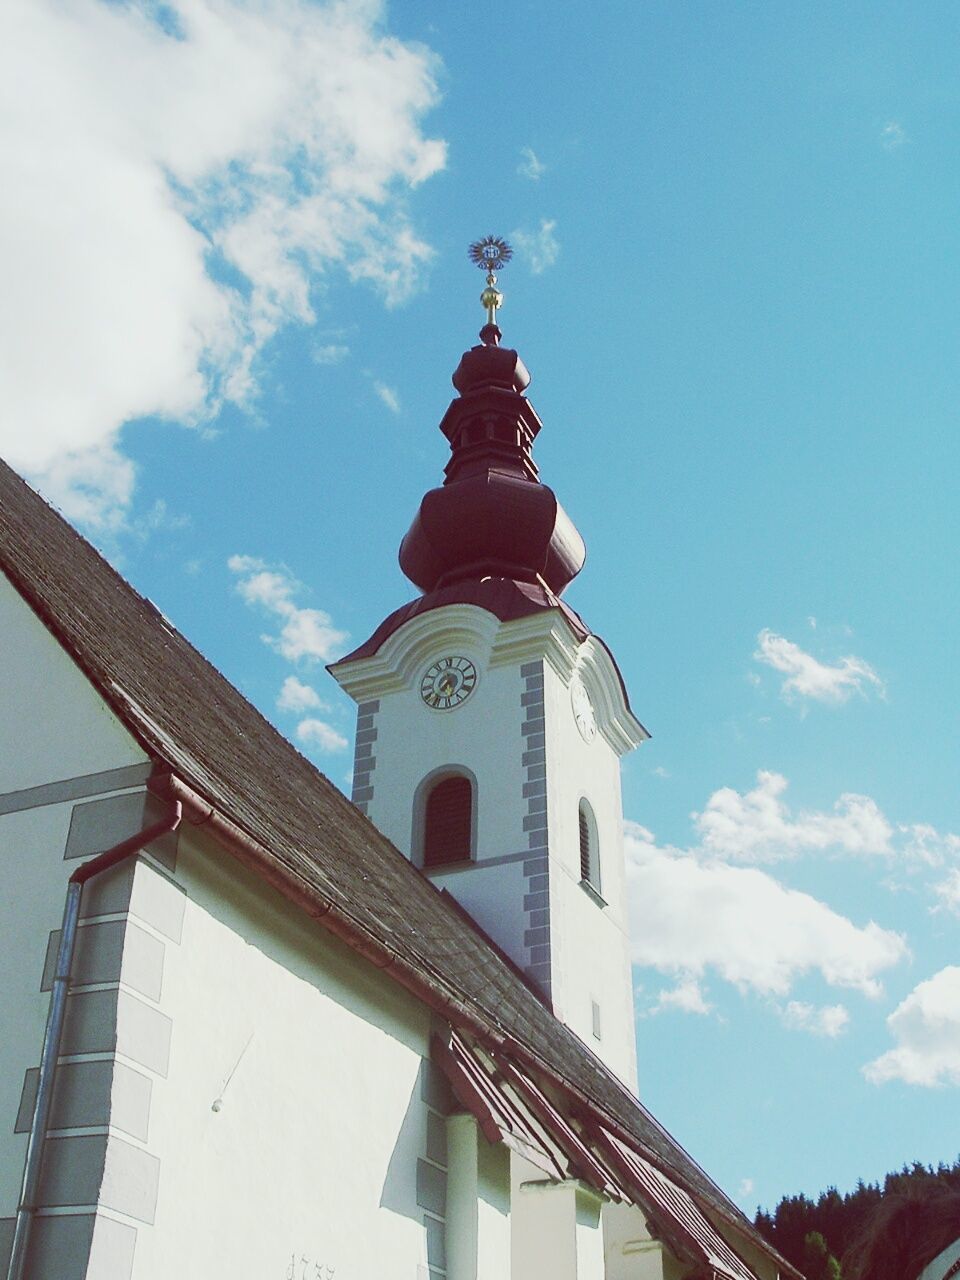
(291, 1123)
(53, 728)
(482, 735)
(556, 1228)
(629, 1251)
(52, 723)
(478, 1204)
(591, 958)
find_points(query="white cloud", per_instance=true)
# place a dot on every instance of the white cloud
(530, 166)
(948, 891)
(220, 156)
(306, 633)
(690, 916)
(745, 1188)
(687, 996)
(923, 843)
(926, 1026)
(830, 1020)
(809, 678)
(298, 697)
(892, 135)
(388, 396)
(660, 772)
(332, 353)
(757, 826)
(158, 517)
(320, 734)
(91, 483)
(540, 248)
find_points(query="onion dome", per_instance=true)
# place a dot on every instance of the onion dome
(491, 517)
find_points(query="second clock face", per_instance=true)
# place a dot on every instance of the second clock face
(448, 683)
(583, 711)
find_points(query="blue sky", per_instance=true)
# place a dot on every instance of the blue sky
(736, 287)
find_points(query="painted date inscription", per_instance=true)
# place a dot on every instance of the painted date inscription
(303, 1268)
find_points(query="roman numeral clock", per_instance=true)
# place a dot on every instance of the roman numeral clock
(448, 683)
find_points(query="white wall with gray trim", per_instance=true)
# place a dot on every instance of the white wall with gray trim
(61, 750)
(516, 735)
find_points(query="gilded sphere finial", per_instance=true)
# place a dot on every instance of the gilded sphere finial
(491, 298)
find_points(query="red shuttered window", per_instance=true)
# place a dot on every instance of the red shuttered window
(448, 822)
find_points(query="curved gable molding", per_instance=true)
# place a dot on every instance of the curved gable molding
(599, 673)
(396, 665)
(493, 643)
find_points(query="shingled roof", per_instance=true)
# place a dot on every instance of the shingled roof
(192, 721)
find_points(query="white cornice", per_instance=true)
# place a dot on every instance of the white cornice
(395, 665)
(540, 635)
(598, 671)
(544, 635)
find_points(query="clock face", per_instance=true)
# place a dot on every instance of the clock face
(448, 682)
(583, 711)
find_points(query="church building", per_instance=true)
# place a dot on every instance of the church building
(254, 1030)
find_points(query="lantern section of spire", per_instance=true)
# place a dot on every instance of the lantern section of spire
(492, 517)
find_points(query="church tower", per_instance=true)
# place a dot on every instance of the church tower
(491, 721)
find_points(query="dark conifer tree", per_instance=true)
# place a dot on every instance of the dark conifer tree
(840, 1220)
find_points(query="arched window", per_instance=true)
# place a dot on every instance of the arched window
(448, 821)
(589, 851)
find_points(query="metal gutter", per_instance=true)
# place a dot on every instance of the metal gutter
(54, 1029)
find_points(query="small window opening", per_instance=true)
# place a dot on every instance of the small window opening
(584, 845)
(448, 822)
(589, 852)
(596, 1020)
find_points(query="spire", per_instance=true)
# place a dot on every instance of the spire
(492, 517)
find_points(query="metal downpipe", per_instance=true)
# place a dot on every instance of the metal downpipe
(54, 1029)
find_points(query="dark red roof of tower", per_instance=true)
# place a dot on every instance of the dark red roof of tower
(503, 597)
(491, 517)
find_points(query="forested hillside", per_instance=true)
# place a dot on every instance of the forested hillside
(814, 1235)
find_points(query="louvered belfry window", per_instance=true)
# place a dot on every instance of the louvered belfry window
(584, 845)
(589, 855)
(448, 822)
